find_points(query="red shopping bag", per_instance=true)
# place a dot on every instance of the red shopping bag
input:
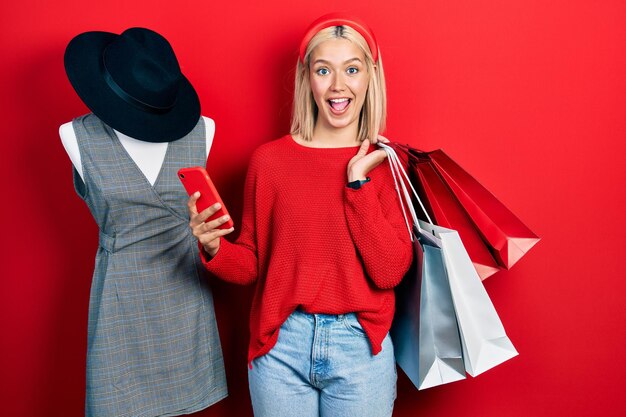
(505, 232)
(502, 233)
(447, 212)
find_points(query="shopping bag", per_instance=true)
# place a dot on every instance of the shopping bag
(507, 237)
(425, 332)
(447, 212)
(505, 233)
(483, 338)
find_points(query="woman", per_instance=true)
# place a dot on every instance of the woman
(323, 237)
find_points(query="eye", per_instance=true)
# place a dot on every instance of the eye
(323, 71)
(352, 70)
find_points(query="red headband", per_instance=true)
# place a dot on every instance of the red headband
(339, 19)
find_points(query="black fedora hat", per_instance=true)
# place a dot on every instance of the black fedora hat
(133, 83)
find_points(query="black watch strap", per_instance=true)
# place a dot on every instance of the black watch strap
(355, 185)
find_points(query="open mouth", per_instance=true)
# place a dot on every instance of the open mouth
(339, 105)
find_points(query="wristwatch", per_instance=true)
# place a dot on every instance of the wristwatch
(355, 185)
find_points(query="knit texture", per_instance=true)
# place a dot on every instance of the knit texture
(309, 241)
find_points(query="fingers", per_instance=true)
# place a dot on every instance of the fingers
(379, 155)
(379, 138)
(374, 159)
(365, 145)
(207, 233)
(362, 162)
(214, 224)
(199, 218)
(211, 239)
(199, 227)
(191, 203)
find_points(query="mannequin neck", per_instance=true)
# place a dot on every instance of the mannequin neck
(148, 156)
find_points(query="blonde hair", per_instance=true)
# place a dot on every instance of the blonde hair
(374, 111)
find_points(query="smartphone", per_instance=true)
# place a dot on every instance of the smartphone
(197, 179)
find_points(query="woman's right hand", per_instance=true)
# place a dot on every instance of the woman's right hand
(207, 233)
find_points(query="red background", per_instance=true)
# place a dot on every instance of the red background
(527, 95)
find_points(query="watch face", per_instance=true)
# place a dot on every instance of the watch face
(355, 185)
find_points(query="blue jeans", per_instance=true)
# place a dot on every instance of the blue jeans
(322, 365)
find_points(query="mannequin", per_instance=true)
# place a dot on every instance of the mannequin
(148, 156)
(153, 344)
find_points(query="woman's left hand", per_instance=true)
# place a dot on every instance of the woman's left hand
(362, 163)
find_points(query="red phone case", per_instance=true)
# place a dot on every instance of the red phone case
(197, 179)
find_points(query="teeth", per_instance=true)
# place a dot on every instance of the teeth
(338, 100)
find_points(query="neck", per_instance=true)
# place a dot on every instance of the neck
(332, 137)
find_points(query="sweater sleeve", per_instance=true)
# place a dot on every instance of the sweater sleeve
(237, 262)
(378, 229)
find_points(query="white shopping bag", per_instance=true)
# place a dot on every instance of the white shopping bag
(485, 343)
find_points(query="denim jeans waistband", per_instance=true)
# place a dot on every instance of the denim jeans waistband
(325, 317)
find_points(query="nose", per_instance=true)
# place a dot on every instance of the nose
(338, 82)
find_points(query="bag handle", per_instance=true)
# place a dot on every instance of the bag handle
(412, 153)
(397, 172)
(400, 169)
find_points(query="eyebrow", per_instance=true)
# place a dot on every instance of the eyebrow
(323, 61)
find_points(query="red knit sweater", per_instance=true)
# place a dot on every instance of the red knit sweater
(309, 241)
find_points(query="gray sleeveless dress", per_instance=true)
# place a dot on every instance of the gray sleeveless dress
(153, 345)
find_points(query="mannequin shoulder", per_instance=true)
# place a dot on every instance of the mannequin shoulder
(66, 132)
(68, 139)
(209, 127)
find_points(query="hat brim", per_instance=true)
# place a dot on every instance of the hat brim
(83, 60)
